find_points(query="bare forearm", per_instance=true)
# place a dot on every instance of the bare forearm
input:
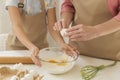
(21, 35)
(51, 21)
(108, 27)
(68, 17)
(56, 36)
(18, 26)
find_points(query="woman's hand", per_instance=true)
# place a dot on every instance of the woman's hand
(34, 56)
(65, 21)
(69, 49)
(82, 33)
(59, 25)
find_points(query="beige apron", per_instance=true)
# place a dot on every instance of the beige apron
(93, 12)
(35, 28)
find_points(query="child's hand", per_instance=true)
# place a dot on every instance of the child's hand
(69, 49)
(34, 56)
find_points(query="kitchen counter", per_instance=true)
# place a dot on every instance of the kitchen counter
(111, 73)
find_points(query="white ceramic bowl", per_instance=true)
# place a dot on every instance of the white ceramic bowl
(55, 61)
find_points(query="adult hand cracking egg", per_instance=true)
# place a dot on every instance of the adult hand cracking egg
(62, 27)
(63, 33)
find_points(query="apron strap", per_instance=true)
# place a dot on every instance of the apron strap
(43, 4)
(21, 5)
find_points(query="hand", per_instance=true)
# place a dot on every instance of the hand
(34, 56)
(82, 33)
(59, 25)
(69, 49)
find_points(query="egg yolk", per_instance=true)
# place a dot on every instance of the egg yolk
(62, 63)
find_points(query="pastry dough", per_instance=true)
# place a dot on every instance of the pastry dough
(14, 73)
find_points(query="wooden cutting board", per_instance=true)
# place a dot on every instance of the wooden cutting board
(12, 57)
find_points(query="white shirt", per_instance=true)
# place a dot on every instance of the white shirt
(31, 7)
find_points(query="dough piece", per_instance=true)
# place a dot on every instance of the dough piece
(33, 72)
(6, 73)
(14, 78)
(28, 77)
(19, 67)
(38, 77)
(23, 78)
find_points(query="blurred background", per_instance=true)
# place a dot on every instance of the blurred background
(5, 24)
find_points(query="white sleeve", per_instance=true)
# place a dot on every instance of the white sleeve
(11, 3)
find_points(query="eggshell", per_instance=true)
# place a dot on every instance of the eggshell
(63, 34)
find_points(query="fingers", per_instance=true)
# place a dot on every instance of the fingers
(34, 56)
(34, 51)
(81, 39)
(36, 60)
(75, 32)
(78, 36)
(74, 28)
(68, 49)
(74, 49)
(59, 25)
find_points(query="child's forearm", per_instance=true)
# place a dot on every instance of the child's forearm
(21, 35)
(51, 21)
(18, 27)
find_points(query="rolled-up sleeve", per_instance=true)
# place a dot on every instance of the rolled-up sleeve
(11, 3)
(67, 6)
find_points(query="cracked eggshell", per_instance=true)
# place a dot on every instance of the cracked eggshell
(63, 33)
